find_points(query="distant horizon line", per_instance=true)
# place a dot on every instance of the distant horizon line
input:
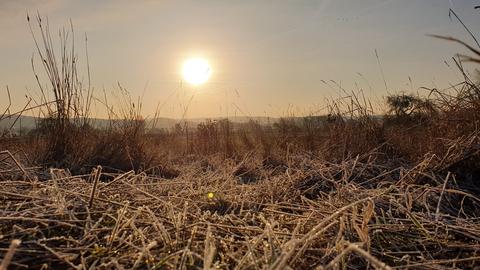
(182, 119)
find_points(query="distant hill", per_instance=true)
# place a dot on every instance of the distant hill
(26, 123)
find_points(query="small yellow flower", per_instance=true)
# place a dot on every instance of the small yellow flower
(210, 195)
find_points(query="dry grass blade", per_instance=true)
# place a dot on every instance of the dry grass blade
(15, 161)
(350, 247)
(7, 259)
(96, 178)
(475, 51)
(209, 254)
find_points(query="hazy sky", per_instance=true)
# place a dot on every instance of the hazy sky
(268, 57)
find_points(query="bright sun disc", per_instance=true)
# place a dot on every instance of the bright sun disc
(196, 71)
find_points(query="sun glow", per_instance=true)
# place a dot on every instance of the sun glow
(196, 71)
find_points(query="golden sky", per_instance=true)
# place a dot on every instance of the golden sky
(268, 57)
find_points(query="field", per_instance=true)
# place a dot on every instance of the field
(348, 190)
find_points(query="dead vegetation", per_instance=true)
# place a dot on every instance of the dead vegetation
(346, 191)
(315, 214)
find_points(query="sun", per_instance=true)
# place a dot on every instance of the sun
(196, 71)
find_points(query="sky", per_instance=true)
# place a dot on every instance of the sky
(268, 58)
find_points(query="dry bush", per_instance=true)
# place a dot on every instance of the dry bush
(65, 136)
(443, 116)
(123, 144)
(214, 137)
(207, 137)
(68, 115)
(352, 128)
